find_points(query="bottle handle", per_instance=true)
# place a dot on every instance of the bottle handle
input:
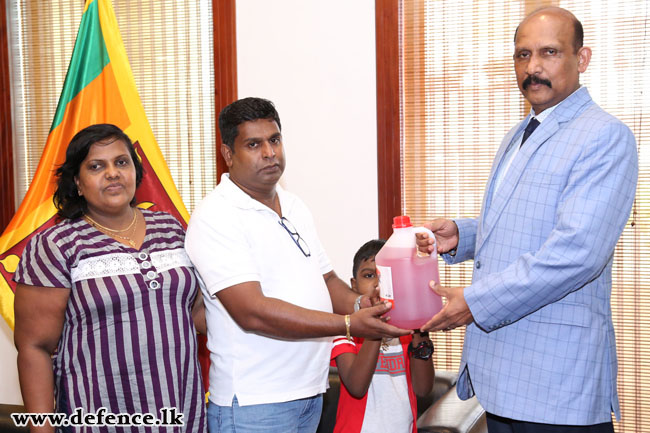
(425, 230)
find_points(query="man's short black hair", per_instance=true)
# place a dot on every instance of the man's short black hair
(241, 111)
(367, 250)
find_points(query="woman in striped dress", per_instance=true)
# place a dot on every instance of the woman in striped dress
(106, 300)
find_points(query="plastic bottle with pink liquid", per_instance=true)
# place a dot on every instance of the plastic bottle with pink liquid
(404, 277)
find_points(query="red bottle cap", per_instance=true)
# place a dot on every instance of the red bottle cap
(400, 222)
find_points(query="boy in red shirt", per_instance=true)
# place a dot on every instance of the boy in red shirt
(380, 378)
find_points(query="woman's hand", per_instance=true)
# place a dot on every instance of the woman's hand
(198, 314)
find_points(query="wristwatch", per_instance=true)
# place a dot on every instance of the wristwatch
(424, 350)
(357, 303)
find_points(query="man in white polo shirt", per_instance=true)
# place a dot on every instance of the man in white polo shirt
(268, 286)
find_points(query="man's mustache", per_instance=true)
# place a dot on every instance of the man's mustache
(534, 79)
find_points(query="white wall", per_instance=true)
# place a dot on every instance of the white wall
(316, 61)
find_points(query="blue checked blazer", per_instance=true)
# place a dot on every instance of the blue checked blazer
(542, 346)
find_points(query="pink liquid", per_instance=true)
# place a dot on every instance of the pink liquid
(414, 303)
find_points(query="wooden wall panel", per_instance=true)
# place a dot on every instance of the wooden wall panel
(225, 65)
(7, 200)
(388, 105)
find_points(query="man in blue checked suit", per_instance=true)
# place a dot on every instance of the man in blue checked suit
(540, 351)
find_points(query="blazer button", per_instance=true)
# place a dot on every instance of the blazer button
(478, 264)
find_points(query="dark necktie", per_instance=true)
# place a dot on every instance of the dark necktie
(534, 123)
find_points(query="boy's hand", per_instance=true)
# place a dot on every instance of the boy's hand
(368, 301)
(420, 336)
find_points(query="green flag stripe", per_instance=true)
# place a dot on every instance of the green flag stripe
(89, 58)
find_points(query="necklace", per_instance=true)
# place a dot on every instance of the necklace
(114, 233)
(126, 238)
(99, 226)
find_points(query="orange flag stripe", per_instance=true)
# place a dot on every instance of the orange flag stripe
(37, 207)
(83, 110)
(111, 97)
(140, 130)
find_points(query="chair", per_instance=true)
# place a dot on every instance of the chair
(442, 383)
(441, 411)
(6, 422)
(450, 414)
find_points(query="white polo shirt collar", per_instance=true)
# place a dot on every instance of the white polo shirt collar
(242, 200)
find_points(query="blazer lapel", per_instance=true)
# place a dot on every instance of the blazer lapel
(488, 197)
(519, 163)
(495, 201)
(499, 160)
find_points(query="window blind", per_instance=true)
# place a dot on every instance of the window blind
(459, 97)
(169, 45)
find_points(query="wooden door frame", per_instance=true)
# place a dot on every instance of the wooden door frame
(389, 183)
(7, 194)
(225, 65)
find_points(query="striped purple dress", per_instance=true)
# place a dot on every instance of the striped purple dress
(128, 343)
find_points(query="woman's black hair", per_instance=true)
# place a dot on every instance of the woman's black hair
(66, 198)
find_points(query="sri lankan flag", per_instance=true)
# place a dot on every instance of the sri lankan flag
(98, 88)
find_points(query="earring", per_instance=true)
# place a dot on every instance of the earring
(79, 192)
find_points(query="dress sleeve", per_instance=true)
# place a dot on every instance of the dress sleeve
(43, 263)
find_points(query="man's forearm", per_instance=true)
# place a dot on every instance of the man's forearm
(278, 318)
(270, 316)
